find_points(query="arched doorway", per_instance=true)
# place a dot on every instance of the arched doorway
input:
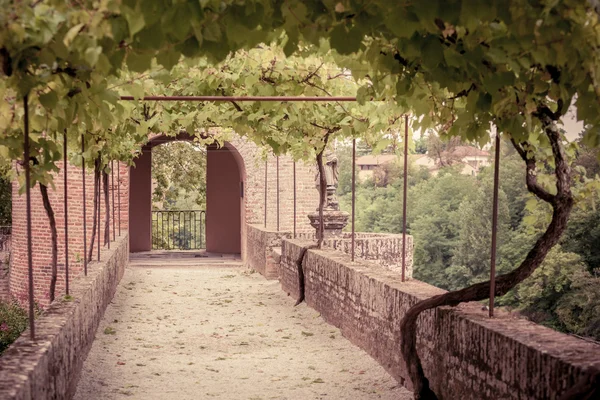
(225, 175)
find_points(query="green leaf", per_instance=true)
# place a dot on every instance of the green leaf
(212, 32)
(91, 55)
(345, 41)
(190, 47)
(151, 37)
(138, 62)
(49, 100)
(135, 89)
(168, 58)
(408, 25)
(180, 21)
(135, 19)
(71, 34)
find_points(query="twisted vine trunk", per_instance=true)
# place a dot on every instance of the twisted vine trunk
(54, 238)
(322, 197)
(96, 201)
(321, 231)
(561, 203)
(106, 208)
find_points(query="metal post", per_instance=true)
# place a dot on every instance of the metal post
(277, 193)
(119, 193)
(294, 199)
(112, 190)
(98, 205)
(66, 213)
(28, 211)
(106, 193)
(404, 192)
(85, 259)
(353, 196)
(266, 170)
(494, 225)
(244, 98)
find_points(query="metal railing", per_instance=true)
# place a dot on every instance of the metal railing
(178, 229)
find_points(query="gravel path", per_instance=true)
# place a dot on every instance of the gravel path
(215, 331)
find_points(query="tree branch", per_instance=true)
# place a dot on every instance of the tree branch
(531, 174)
(54, 237)
(562, 203)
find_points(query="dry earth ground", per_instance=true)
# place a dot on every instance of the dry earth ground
(203, 330)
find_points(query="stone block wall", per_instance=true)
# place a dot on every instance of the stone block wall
(259, 251)
(50, 366)
(465, 354)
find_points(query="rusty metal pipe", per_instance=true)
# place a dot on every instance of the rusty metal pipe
(294, 173)
(353, 198)
(243, 98)
(26, 166)
(98, 204)
(112, 191)
(278, 193)
(119, 193)
(266, 170)
(404, 197)
(66, 213)
(85, 259)
(494, 225)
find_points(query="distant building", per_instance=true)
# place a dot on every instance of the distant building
(367, 164)
(471, 158)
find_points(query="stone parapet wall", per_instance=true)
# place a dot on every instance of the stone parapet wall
(465, 354)
(260, 242)
(49, 367)
(383, 248)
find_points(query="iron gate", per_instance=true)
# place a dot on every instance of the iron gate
(178, 229)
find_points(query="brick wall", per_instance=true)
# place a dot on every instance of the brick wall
(382, 248)
(49, 367)
(42, 250)
(465, 354)
(307, 197)
(259, 251)
(253, 210)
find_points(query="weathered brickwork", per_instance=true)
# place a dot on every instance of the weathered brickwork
(307, 197)
(49, 367)
(382, 248)
(465, 354)
(42, 248)
(259, 252)
(253, 171)
(252, 162)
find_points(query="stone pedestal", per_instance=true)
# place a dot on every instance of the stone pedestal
(334, 222)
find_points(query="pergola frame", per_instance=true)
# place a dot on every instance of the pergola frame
(230, 99)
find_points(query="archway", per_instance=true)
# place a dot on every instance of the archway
(225, 176)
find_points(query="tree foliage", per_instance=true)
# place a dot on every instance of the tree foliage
(457, 65)
(179, 176)
(449, 218)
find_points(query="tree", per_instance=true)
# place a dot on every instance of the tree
(179, 172)
(442, 151)
(457, 66)
(472, 251)
(436, 223)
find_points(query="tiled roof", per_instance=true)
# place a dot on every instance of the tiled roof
(469, 151)
(376, 159)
